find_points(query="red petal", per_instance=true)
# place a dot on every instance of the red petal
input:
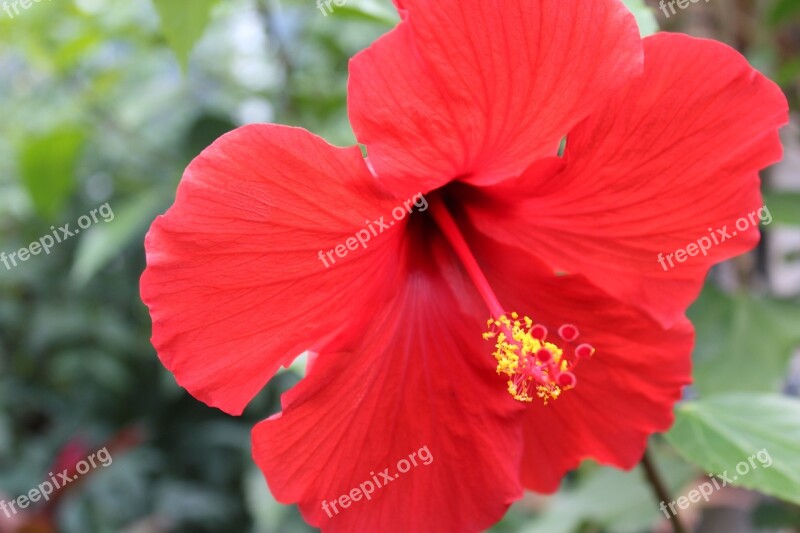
(675, 154)
(481, 88)
(625, 391)
(420, 376)
(234, 283)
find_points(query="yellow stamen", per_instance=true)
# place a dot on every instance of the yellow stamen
(536, 368)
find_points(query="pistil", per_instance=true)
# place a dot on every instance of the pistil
(535, 366)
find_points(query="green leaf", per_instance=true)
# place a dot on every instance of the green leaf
(183, 24)
(47, 166)
(783, 11)
(784, 207)
(738, 332)
(722, 435)
(772, 516)
(648, 24)
(107, 240)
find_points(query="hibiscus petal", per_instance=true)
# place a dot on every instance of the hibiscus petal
(667, 163)
(480, 89)
(234, 282)
(420, 376)
(625, 391)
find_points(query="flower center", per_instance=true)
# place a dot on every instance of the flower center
(535, 366)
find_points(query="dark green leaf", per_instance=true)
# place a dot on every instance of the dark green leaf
(47, 166)
(183, 24)
(784, 10)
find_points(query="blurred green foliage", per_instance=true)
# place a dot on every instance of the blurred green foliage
(108, 102)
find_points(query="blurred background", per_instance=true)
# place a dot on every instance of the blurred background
(102, 106)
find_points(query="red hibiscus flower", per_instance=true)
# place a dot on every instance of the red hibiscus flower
(279, 243)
